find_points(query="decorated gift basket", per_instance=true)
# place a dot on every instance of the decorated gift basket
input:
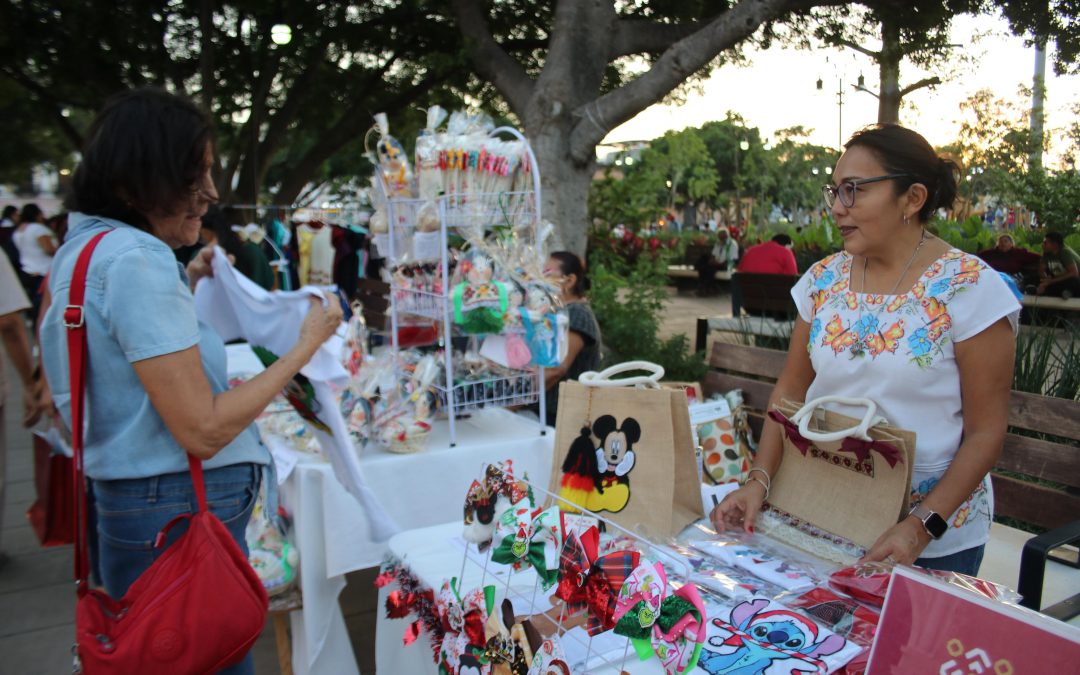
(461, 230)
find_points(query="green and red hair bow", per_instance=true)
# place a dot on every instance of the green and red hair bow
(589, 581)
(670, 626)
(526, 537)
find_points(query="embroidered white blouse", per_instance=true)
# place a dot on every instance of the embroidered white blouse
(899, 351)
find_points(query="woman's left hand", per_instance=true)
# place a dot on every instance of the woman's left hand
(902, 543)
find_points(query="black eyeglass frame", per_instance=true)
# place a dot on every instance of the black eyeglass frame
(832, 192)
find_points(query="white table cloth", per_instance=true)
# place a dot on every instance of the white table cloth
(432, 556)
(419, 490)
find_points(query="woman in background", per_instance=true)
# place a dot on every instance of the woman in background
(565, 270)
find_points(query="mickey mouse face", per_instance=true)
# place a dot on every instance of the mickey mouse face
(615, 447)
(616, 440)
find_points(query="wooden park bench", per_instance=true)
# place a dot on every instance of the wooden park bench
(761, 305)
(1036, 480)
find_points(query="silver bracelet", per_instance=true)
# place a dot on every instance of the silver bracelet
(765, 473)
(759, 482)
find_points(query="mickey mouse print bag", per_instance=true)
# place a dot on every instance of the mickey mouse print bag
(623, 450)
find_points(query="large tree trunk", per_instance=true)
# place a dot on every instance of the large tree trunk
(565, 185)
(889, 72)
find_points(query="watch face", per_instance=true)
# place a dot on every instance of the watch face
(936, 525)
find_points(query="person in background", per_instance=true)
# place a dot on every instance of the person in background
(1058, 274)
(13, 302)
(8, 222)
(771, 257)
(565, 270)
(156, 384)
(36, 244)
(724, 255)
(1009, 258)
(924, 330)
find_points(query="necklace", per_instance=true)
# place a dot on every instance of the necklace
(914, 254)
(864, 326)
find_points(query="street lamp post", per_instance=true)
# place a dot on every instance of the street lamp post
(744, 146)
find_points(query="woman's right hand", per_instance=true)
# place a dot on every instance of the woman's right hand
(321, 322)
(739, 509)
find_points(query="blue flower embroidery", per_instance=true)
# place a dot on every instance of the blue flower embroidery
(940, 286)
(815, 330)
(919, 342)
(867, 325)
(825, 280)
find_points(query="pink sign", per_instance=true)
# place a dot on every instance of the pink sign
(931, 627)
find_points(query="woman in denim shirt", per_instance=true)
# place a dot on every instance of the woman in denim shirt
(156, 381)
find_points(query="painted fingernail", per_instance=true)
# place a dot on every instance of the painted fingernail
(751, 528)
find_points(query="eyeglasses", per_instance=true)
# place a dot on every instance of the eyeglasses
(847, 189)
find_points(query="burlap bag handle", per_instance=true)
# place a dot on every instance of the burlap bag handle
(592, 378)
(803, 416)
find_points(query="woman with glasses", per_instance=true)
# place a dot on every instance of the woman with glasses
(924, 330)
(156, 385)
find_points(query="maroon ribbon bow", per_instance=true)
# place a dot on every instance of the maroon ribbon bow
(590, 582)
(856, 446)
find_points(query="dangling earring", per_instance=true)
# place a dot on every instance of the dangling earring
(905, 219)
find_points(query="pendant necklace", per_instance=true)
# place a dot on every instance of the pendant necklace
(856, 348)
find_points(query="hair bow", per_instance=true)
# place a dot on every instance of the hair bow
(527, 538)
(670, 626)
(510, 645)
(856, 446)
(486, 500)
(591, 582)
(550, 659)
(462, 621)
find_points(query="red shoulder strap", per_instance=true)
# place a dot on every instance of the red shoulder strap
(78, 355)
(75, 322)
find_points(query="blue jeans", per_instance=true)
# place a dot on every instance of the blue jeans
(130, 513)
(964, 562)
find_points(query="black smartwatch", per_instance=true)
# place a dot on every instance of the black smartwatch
(933, 523)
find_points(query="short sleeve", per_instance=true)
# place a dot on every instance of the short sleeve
(582, 322)
(977, 306)
(147, 307)
(800, 293)
(12, 296)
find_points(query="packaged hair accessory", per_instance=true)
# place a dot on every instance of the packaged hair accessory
(428, 175)
(393, 162)
(480, 300)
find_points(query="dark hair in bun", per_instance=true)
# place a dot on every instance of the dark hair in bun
(901, 150)
(570, 263)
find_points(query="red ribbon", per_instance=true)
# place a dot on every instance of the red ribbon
(588, 582)
(856, 446)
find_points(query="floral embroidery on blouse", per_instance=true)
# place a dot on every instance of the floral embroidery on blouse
(976, 502)
(915, 324)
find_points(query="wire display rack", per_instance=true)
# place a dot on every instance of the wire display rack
(412, 237)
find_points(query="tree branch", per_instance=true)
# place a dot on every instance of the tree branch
(206, 54)
(490, 60)
(925, 82)
(640, 36)
(842, 42)
(45, 99)
(676, 64)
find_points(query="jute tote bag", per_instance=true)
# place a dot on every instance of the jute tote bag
(623, 449)
(847, 476)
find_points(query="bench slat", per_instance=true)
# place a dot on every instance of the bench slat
(755, 392)
(1033, 503)
(1044, 413)
(1041, 459)
(748, 360)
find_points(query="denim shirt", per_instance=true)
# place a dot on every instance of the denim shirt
(137, 306)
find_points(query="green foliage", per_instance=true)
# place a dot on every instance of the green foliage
(813, 242)
(627, 304)
(970, 236)
(1054, 197)
(1048, 360)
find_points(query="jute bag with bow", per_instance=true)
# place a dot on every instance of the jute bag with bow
(847, 476)
(623, 449)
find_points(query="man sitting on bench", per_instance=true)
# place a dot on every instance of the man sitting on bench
(1058, 273)
(722, 258)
